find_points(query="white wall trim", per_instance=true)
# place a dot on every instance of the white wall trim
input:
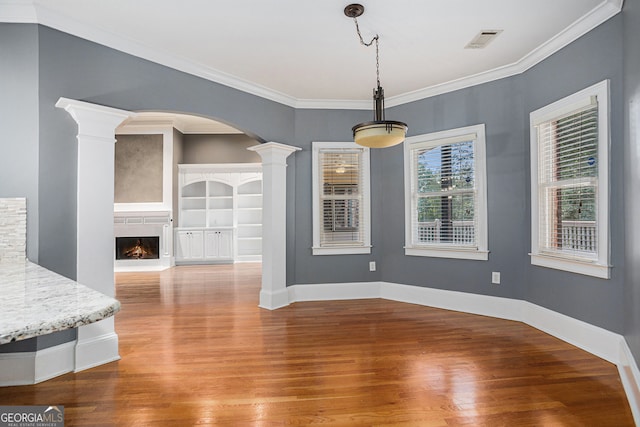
(593, 339)
(96, 351)
(630, 376)
(18, 11)
(600, 342)
(54, 361)
(29, 12)
(34, 367)
(334, 291)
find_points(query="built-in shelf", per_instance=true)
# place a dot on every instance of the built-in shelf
(221, 196)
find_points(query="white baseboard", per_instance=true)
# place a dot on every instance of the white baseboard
(37, 366)
(503, 308)
(274, 300)
(600, 342)
(334, 291)
(630, 376)
(54, 361)
(96, 351)
(593, 339)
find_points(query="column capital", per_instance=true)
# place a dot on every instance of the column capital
(272, 152)
(92, 119)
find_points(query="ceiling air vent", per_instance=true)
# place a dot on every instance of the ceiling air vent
(483, 38)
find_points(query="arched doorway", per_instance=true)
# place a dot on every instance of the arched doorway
(98, 343)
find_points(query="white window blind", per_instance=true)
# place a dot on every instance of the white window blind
(568, 183)
(444, 193)
(340, 199)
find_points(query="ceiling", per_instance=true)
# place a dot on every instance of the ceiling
(307, 54)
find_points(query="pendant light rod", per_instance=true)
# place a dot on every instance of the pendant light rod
(353, 11)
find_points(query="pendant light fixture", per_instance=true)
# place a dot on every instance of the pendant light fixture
(379, 133)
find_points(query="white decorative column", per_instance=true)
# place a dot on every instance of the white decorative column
(274, 223)
(97, 343)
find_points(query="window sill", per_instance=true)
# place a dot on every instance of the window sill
(471, 254)
(571, 265)
(349, 250)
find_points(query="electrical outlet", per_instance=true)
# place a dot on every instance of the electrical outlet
(372, 266)
(495, 277)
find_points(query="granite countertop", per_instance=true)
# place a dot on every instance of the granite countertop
(35, 301)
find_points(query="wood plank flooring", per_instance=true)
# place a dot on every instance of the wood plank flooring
(197, 350)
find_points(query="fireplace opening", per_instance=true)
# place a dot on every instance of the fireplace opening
(138, 247)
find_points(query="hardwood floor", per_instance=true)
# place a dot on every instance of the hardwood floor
(197, 350)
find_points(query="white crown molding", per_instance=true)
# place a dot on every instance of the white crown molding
(333, 104)
(26, 11)
(600, 14)
(62, 23)
(18, 11)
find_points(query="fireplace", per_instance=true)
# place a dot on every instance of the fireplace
(143, 240)
(147, 247)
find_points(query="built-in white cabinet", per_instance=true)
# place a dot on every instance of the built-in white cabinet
(225, 202)
(189, 245)
(218, 244)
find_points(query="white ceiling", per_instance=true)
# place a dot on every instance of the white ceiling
(306, 53)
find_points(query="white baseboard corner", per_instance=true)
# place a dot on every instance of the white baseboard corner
(274, 300)
(34, 367)
(96, 351)
(630, 376)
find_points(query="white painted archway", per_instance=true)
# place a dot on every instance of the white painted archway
(98, 343)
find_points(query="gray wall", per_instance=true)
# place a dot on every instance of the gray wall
(138, 169)
(75, 68)
(591, 59)
(219, 149)
(19, 122)
(303, 268)
(632, 175)
(499, 106)
(78, 69)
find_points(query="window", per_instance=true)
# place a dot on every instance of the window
(445, 194)
(340, 199)
(569, 183)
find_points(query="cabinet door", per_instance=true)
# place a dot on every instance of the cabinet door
(211, 240)
(218, 244)
(197, 244)
(189, 245)
(183, 245)
(225, 244)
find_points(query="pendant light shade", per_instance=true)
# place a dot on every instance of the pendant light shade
(379, 133)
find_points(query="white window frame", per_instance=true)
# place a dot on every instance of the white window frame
(481, 252)
(365, 246)
(600, 267)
